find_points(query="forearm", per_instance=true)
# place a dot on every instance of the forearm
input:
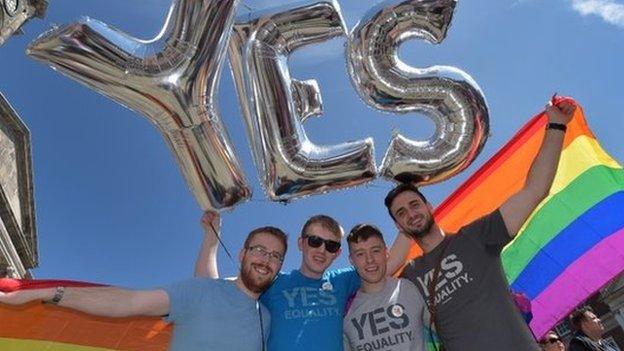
(108, 301)
(99, 301)
(398, 253)
(206, 264)
(544, 166)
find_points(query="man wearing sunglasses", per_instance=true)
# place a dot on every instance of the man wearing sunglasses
(307, 304)
(552, 342)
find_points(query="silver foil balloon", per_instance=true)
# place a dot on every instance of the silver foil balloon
(171, 79)
(275, 105)
(447, 95)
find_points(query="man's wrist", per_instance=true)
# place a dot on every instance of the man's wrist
(557, 126)
(59, 292)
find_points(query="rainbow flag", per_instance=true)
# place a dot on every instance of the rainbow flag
(573, 243)
(41, 327)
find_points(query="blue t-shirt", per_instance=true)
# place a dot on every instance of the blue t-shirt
(306, 313)
(214, 314)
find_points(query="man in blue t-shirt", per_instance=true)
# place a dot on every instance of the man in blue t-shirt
(208, 314)
(307, 304)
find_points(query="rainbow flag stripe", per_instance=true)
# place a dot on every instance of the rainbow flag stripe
(39, 327)
(573, 243)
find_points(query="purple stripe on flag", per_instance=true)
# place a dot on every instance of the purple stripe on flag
(580, 280)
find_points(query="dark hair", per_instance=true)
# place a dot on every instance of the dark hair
(578, 316)
(401, 188)
(545, 340)
(326, 222)
(362, 232)
(276, 232)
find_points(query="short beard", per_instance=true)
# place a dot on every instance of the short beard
(419, 234)
(251, 284)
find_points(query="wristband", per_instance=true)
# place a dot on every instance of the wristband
(557, 126)
(58, 296)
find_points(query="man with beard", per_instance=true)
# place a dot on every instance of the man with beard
(307, 304)
(208, 314)
(461, 276)
(386, 313)
(589, 330)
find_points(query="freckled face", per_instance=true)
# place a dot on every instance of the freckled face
(317, 259)
(370, 258)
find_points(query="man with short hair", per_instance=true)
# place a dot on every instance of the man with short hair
(386, 313)
(208, 314)
(589, 330)
(307, 304)
(461, 275)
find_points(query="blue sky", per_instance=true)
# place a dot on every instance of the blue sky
(112, 206)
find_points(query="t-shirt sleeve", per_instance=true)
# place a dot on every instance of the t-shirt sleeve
(347, 277)
(408, 272)
(489, 230)
(184, 297)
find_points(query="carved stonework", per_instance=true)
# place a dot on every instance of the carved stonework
(14, 13)
(18, 239)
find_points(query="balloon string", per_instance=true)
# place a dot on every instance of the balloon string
(227, 252)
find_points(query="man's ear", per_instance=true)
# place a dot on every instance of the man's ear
(300, 243)
(241, 253)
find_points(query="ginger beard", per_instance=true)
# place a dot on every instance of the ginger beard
(256, 276)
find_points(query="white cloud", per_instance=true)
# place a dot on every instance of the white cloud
(609, 10)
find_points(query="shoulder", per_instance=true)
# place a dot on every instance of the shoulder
(341, 273)
(580, 340)
(196, 284)
(413, 267)
(494, 217)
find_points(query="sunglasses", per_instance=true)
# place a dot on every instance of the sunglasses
(552, 340)
(331, 246)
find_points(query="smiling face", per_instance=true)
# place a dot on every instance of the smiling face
(412, 214)
(317, 259)
(370, 258)
(260, 261)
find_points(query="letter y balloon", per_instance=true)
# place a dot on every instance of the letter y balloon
(447, 95)
(172, 80)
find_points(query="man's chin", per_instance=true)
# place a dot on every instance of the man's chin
(260, 287)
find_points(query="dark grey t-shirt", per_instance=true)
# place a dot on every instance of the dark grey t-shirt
(474, 307)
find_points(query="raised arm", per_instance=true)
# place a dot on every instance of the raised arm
(206, 264)
(398, 252)
(517, 208)
(99, 301)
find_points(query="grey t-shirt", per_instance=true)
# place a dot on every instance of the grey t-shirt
(214, 314)
(473, 305)
(390, 320)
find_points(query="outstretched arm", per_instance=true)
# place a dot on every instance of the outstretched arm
(517, 208)
(206, 264)
(99, 301)
(398, 252)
